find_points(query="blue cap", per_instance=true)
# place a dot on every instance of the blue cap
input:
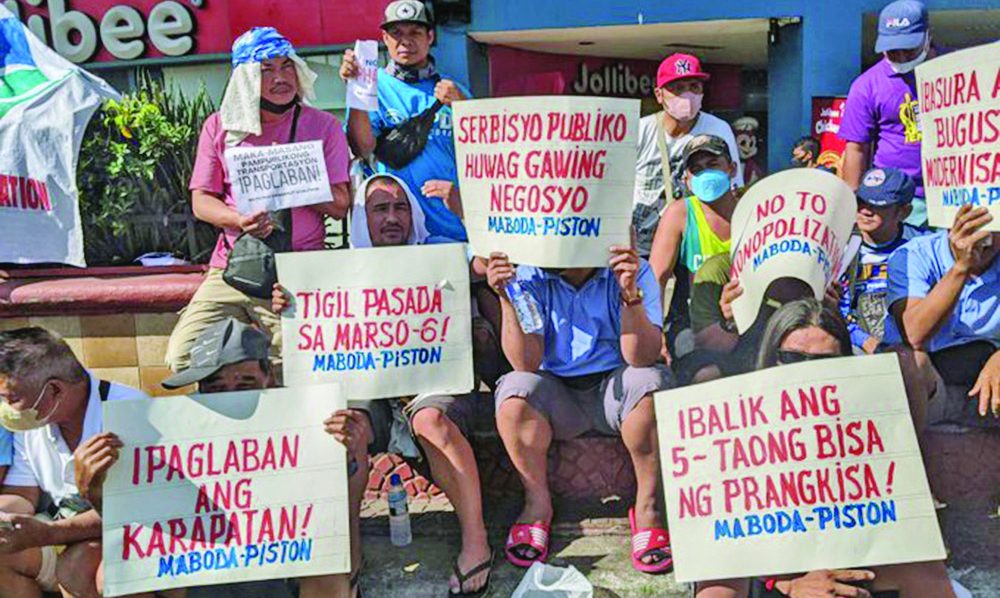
(260, 44)
(882, 187)
(902, 25)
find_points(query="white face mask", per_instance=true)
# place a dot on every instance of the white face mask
(906, 67)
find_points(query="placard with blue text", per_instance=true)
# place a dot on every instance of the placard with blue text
(223, 488)
(384, 322)
(795, 468)
(548, 180)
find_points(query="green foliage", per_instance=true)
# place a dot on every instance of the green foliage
(134, 167)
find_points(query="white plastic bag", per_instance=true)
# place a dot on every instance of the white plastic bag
(960, 590)
(546, 581)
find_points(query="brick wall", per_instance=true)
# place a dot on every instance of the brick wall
(124, 348)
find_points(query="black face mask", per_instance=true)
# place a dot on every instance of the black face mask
(277, 108)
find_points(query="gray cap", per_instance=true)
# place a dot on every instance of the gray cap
(407, 11)
(223, 343)
(712, 144)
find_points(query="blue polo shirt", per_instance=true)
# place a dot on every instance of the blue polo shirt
(918, 265)
(398, 102)
(583, 326)
(6, 447)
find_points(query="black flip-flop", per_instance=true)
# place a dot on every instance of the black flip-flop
(464, 577)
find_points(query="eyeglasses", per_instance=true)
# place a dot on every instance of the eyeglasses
(787, 357)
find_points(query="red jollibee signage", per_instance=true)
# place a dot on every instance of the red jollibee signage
(107, 30)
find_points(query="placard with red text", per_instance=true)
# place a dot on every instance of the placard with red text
(548, 180)
(227, 487)
(960, 121)
(801, 467)
(384, 322)
(792, 224)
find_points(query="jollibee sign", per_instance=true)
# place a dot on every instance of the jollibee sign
(109, 30)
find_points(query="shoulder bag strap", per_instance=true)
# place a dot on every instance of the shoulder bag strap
(283, 218)
(668, 177)
(103, 389)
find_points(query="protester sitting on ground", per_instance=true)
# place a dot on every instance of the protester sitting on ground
(228, 356)
(264, 104)
(407, 86)
(386, 214)
(882, 104)
(883, 204)
(54, 405)
(807, 330)
(590, 367)
(943, 297)
(693, 230)
(659, 179)
(805, 153)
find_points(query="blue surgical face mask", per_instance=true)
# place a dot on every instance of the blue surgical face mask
(710, 185)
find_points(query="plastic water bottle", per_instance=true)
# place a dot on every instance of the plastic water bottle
(399, 513)
(528, 313)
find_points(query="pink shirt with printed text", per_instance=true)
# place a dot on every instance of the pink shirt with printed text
(210, 173)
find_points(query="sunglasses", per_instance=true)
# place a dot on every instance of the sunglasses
(787, 357)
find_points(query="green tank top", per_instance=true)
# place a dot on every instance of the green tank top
(699, 241)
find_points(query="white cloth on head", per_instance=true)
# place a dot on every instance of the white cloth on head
(240, 110)
(360, 235)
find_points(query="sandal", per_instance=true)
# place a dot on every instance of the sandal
(648, 541)
(464, 577)
(528, 535)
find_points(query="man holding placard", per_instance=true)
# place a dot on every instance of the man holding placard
(693, 230)
(409, 87)
(264, 109)
(943, 296)
(55, 406)
(228, 357)
(431, 429)
(584, 344)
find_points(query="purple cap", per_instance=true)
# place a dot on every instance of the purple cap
(902, 25)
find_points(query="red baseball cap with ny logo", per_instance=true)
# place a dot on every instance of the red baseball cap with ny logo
(679, 66)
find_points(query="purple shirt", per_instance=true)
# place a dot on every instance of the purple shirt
(882, 108)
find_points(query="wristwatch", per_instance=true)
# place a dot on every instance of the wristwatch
(632, 301)
(728, 326)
